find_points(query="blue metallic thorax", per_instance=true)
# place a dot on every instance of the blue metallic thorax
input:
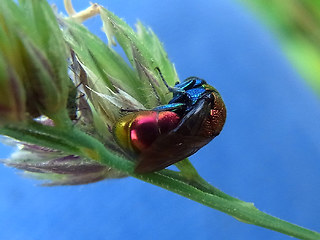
(188, 92)
(185, 95)
(188, 97)
(191, 82)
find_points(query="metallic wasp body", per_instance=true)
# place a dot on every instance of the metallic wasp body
(167, 134)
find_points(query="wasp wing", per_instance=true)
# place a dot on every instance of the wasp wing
(181, 142)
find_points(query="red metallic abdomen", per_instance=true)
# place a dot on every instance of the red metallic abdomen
(137, 131)
(145, 128)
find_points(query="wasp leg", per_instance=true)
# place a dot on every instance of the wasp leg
(167, 107)
(131, 110)
(170, 107)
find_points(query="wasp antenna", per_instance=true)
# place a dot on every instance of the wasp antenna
(162, 78)
(171, 89)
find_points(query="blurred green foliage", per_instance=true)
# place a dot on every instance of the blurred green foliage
(297, 24)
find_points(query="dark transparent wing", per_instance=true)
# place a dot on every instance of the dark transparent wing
(178, 144)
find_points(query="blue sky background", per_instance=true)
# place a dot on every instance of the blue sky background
(268, 152)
